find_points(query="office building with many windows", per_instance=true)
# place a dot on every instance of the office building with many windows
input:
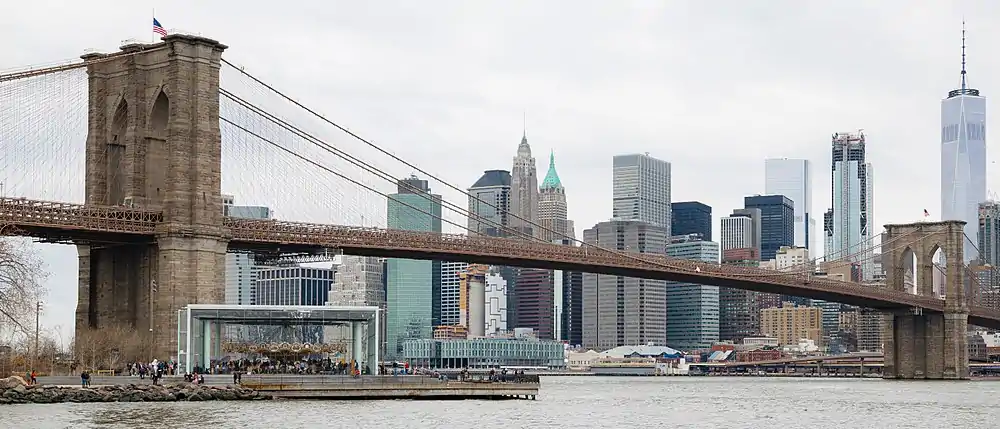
(489, 204)
(849, 224)
(484, 353)
(963, 157)
(624, 310)
(793, 179)
(241, 269)
(777, 222)
(413, 288)
(294, 285)
(451, 291)
(641, 190)
(691, 217)
(692, 309)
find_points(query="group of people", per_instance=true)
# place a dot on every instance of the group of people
(197, 378)
(155, 369)
(282, 366)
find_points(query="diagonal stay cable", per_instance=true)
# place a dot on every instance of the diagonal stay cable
(375, 170)
(357, 162)
(628, 255)
(397, 158)
(323, 167)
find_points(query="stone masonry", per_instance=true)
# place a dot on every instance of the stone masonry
(921, 345)
(154, 142)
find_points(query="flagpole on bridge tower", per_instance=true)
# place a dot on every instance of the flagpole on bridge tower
(152, 35)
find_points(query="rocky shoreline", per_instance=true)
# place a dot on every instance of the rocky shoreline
(14, 391)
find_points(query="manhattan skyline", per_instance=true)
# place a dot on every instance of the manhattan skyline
(713, 94)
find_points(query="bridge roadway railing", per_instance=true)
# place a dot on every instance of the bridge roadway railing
(21, 212)
(115, 219)
(350, 237)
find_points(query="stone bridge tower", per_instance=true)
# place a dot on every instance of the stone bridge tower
(920, 344)
(153, 141)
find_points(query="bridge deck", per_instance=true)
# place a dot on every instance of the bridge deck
(65, 221)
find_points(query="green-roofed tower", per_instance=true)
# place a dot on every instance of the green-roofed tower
(551, 178)
(552, 209)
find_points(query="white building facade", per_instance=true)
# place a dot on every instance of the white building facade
(451, 291)
(736, 232)
(496, 303)
(792, 258)
(641, 190)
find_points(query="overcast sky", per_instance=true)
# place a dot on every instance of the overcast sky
(443, 84)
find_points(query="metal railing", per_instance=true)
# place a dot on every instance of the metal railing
(18, 214)
(319, 382)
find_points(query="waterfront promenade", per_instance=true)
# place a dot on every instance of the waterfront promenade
(343, 387)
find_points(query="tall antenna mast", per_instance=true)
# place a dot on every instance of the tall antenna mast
(963, 57)
(524, 123)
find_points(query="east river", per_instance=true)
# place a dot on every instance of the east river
(578, 402)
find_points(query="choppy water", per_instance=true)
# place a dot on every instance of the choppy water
(578, 402)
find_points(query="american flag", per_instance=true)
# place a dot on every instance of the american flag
(926, 214)
(157, 28)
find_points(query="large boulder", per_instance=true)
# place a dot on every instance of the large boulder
(23, 394)
(12, 382)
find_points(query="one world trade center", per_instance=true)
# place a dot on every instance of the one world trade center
(963, 157)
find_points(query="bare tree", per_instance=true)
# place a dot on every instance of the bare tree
(21, 276)
(111, 347)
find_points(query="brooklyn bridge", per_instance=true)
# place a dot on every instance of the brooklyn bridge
(152, 210)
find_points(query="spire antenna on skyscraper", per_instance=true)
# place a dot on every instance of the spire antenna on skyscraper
(963, 56)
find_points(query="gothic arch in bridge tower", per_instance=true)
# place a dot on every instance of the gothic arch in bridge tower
(159, 114)
(115, 154)
(907, 264)
(157, 150)
(919, 343)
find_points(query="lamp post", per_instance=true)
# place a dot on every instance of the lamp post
(38, 312)
(61, 350)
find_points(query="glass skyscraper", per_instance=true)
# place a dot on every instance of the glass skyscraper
(641, 189)
(849, 224)
(692, 309)
(691, 217)
(793, 179)
(412, 287)
(241, 271)
(963, 157)
(777, 222)
(489, 201)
